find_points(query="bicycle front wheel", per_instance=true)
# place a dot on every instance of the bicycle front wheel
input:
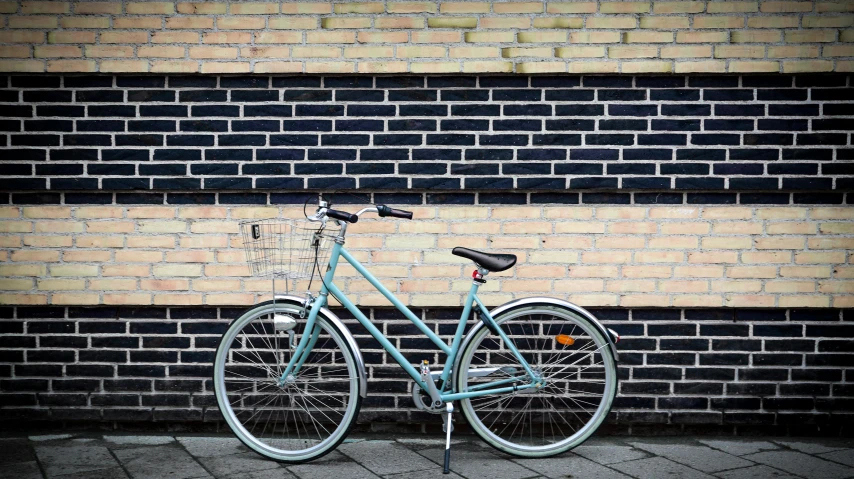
(297, 419)
(571, 358)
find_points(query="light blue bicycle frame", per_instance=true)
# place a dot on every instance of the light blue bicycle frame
(307, 341)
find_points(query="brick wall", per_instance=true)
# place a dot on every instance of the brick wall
(435, 144)
(736, 370)
(707, 218)
(630, 256)
(427, 37)
(121, 261)
(449, 134)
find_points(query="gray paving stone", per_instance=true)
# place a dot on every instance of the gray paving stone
(431, 473)
(740, 448)
(659, 468)
(88, 456)
(479, 463)
(140, 440)
(21, 470)
(49, 437)
(159, 462)
(811, 447)
(385, 457)
(570, 465)
(212, 446)
(59, 460)
(755, 472)
(338, 470)
(606, 454)
(333, 456)
(15, 450)
(279, 473)
(801, 464)
(845, 456)
(698, 457)
(409, 441)
(236, 463)
(112, 473)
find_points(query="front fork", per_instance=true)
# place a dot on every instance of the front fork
(306, 342)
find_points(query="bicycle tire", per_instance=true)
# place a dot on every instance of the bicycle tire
(295, 456)
(473, 348)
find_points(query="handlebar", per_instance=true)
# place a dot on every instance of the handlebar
(323, 212)
(381, 210)
(342, 215)
(384, 211)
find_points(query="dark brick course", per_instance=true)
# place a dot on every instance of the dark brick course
(727, 367)
(738, 135)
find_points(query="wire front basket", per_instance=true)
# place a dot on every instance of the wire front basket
(287, 249)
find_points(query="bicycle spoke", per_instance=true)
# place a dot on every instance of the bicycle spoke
(266, 340)
(314, 422)
(308, 411)
(544, 418)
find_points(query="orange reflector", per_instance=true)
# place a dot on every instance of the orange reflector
(564, 339)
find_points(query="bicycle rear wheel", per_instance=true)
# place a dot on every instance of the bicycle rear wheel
(297, 420)
(572, 358)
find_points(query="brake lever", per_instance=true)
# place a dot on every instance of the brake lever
(319, 216)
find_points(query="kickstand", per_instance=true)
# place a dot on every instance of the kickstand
(449, 426)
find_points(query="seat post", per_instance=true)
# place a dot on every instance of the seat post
(479, 274)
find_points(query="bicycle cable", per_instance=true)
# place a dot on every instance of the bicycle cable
(316, 254)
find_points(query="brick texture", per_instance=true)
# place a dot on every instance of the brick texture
(527, 136)
(390, 37)
(777, 371)
(707, 218)
(628, 256)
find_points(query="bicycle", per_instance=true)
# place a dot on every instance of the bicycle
(540, 373)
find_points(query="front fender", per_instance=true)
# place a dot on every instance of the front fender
(519, 303)
(332, 318)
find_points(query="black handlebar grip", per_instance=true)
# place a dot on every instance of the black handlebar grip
(342, 215)
(384, 210)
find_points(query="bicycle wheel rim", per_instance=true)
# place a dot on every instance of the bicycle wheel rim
(599, 344)
(246, 435)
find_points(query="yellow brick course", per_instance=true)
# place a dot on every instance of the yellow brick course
(798, 51)
(44, 7)
(718, 22)
(754, 66)
(815, 36)
(773, 22)
(98, 8)
(559, 22)
(664, 23)
(624, 256)
(756, 36)
(436, 37)
(678, 7)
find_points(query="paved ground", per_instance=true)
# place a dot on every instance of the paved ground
(97, 456)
